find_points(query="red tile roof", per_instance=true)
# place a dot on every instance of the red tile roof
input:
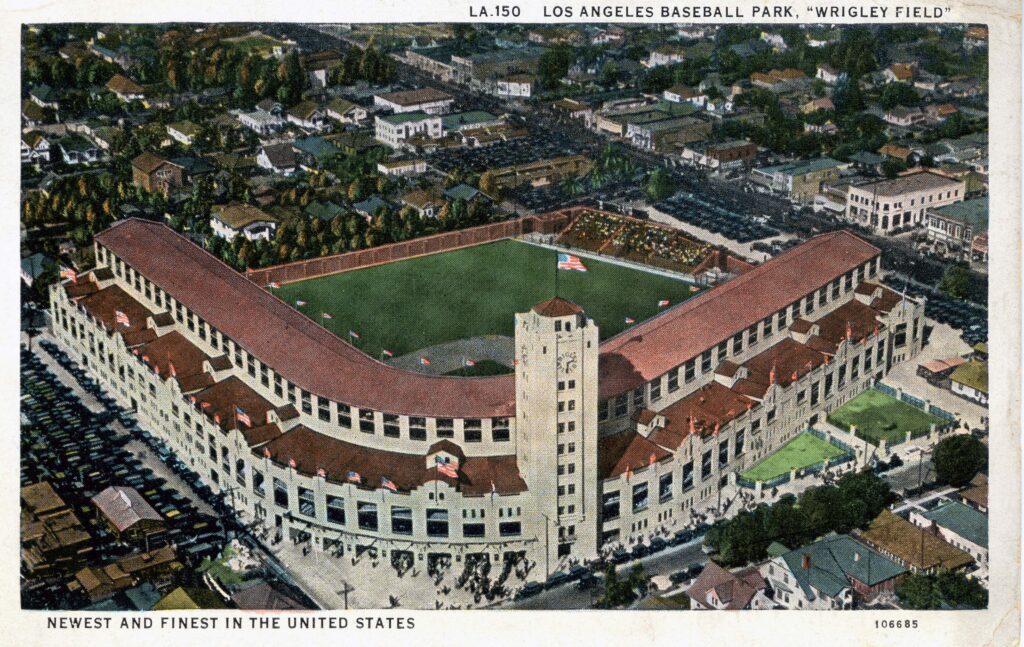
(628, 450)
(784, 359)
(650, 349)
(709, 405)
(104, 304)
(733, 590)
(860, 319)
(298, 348)
(229, 393)
(311, 451)
(557, 307)
(174, 348)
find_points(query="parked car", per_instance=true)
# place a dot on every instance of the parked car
(658, 544)
(529, 590)
(557, 578)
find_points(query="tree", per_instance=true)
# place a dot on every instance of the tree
(660, 184)
(956, 281)
(958, 458)
(898, 94)
(918, 592)
(554, 64)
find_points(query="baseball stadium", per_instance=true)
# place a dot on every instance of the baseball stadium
(550, 388)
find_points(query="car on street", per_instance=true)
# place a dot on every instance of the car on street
(529, 590)
(557, 578)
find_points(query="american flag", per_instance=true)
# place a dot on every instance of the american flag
(68, 273)
(321, 472)
(291, 463)
(468, 362)
(386, 353)
(570, 262)
(216, 418)
(242, 416)
(121, 318)
(446, 468)
(694, 288)
(170, 367)
(387, 484)
(326, 315)
(354, 477)
(663, 303)
(275, 284)
(424, 361)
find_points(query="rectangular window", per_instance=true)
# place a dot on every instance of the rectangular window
(640, 500)
(739, 442)
(705, 362)
(723, 453)
(687, 476)
(638, 397)
(770, 418)
(673, 381)
(500, 430)
(336, 509)
(621, 405)
(509, 529)
(437, 522)
(307, 403)
(691, 370)
(344, 416)
(473, 530)
(324, 409)
(737, 343)
(366, 424)
(257, 483)
(705, 465)
(391, 428)
(655, 390)
(401, 520)
(665, 487)
(445, 428)
(752, 335)
(307, 504)
(610, 505)
(417, 428)
(472, 431)
(280, 493)
(723, 351)
(367, 513)
(814, 394)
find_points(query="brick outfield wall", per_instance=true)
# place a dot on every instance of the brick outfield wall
(549, 223)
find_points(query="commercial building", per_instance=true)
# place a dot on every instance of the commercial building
(428, 100)
(800, 181)
(887, 205)
(961, 525)
(395, 130)
(962, 228)
(586, 446)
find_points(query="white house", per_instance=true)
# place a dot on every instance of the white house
(684, 93)
(970, 381)
(519, 85)
(278, 158)
(345, 111)
(184, 132)
(231, 220)
(960, 525)
(34, 147)
(402, 167)
(395, 130)
(261, 121)
(829, 74)
(76, 149)
(307, 115)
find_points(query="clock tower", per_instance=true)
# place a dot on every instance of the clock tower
(557, 348)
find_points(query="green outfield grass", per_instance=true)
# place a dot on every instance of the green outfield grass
(412, 304)
(803, 451)
(482, 368)
(879, 416)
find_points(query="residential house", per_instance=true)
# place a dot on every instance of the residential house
(151, 172)
(976, 494)
(102, 582)
(895, 151)
(125, 89)
(319, 65)
(814, 105)
(961, 525)
(33, 266)
(911, 546)
(681, 93)
(33, 114)
(261, 121)
(307, 115)
(886, 205)
(402, 167)
(128, 516)
(395, 130)
(345, 111)
(940, 112)
(423, 100)
(774, 39)
(957, 226)
(76, 149)
(717, 588)
(370, 207)
(53, 539)
(780, 81)
(829, 74)
(463, 192)
(424, 203)
(575, 110)
(277, 158)
(904, 117)
(184, 132)
(231, 220)
(800, 180)
(45, 97)
(970, 380)
(667, 54)
(976, 36)
(827, 128)
(899, 73)
(469, 121)
(34, 147)
(830, 573)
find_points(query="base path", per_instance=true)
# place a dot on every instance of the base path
(451, 356)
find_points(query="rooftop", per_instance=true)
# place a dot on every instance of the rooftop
(833, 560)
(972, 212)
(961, 519)
(911, 183)
(416, 97)
(913, 545)
(239, 215)
(973, 374)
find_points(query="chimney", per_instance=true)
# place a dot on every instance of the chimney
(806, 562)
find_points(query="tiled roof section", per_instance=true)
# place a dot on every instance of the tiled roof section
(784, 358)
(734, 590)
(709, 405)
(302, 351)
(229, 393)
(650, 349)
(557, 307)
(148, 162)
(853, 317)
(124, 507)
(977, 493)
(626, 450)
(801, 326)
(961, 519)
(414, 97)
(833, 560)
(312, 451)
(80, 289)
(174, 348)
(914, 546)
(121, 83)
(256, 436)
(280, 155)
(104, 305)
(237, 216)
(195, 382)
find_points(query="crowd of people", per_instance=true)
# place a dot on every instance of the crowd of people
(635, 240)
